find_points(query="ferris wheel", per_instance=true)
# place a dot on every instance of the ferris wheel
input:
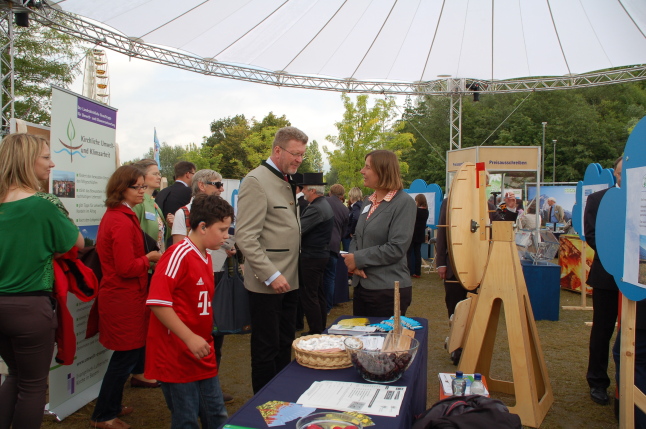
(96, 81)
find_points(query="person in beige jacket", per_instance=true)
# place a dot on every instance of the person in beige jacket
(268, 234)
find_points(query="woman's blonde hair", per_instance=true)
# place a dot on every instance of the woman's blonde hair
(355, 194)
(386, 165)
(18, 155)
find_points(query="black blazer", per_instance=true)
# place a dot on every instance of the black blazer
(598, 277)
(441, 245)
(355, 211)
(172, 198)
(340, 222)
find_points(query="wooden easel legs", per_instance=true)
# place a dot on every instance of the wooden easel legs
(503, 284)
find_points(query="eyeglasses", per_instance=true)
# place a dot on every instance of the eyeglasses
(139, 187)
(156, 173)
(216, 184)
(295, 155)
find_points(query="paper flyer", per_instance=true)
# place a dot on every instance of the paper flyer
(375, 399)
(277, 413)
(635, 245)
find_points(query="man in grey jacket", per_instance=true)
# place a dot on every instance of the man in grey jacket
(268, 234)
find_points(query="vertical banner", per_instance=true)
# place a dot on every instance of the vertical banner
(575, 266)
(83, 148)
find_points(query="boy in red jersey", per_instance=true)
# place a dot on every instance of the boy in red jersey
(179, 348)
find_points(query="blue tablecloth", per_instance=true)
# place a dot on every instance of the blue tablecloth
(544, 288)
(295, 379)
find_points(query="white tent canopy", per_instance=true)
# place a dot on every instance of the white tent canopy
(393, 40)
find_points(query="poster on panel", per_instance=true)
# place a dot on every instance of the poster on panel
(635, 235)
(430, 202)
(83, 147)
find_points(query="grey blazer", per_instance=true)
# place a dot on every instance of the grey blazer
(268, 229)
(380, 244)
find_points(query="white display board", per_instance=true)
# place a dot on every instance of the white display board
(83, 148)
(430, 200)
(635, 244)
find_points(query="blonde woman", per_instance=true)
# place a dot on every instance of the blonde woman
(33, 229)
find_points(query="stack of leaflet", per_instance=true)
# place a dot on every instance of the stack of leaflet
(356, 326)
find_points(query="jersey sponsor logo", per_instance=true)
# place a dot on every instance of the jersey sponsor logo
(200, 282)
(204, 303)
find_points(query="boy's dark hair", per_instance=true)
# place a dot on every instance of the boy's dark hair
(183, 167)
(209, 209)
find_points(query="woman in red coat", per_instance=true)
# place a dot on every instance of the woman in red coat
(123, 317)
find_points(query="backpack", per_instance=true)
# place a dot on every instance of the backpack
(467, 412)
(186, 221)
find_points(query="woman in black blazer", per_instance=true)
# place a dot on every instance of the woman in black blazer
(419, 234)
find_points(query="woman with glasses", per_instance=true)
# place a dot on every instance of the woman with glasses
(34, 229)
(150, 215)
(121, 302)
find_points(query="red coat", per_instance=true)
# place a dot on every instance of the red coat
(123, 316)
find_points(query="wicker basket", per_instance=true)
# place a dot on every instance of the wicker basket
(321, 360)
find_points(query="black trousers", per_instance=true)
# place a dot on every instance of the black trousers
(273, 317)
(313, 293)
(380, 302)
(454, 293)
(604, 315)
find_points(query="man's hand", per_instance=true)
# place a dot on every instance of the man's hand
(170, 218)
(198, 346)
(280, 285)
(360, 273)
(230, 252)
(349, 262)
(442, 272)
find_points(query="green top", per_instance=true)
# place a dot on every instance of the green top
(32, 230)
(152, 220)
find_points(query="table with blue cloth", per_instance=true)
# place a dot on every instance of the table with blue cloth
(295, 379)
(543, 280)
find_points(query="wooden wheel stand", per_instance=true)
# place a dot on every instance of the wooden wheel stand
(502, 283)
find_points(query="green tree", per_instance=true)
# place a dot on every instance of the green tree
(243, 144)
(168, 157)
(313, 162)
(204, 157)
(362, 130)
(589, 124)
(42, 57)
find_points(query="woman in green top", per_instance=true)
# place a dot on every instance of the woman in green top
(153, 223)
(33, 231)
(150, 215)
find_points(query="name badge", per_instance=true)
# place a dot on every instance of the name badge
(150, 216)
(366, 209)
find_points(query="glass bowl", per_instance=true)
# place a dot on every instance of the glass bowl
(377, 366)
(328, 420)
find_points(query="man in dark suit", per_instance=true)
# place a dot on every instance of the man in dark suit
(317, 222)
(170, 199)
(341, 214)
(605, 301)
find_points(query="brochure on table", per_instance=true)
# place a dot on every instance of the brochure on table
(374, 399)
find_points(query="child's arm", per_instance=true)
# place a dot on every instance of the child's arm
(196, 344)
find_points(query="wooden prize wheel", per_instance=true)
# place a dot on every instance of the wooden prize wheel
(466, 227)
(492, 261)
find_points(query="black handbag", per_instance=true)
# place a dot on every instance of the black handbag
(230, 305)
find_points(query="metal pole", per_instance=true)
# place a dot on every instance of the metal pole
(543, 154)
(554, 164)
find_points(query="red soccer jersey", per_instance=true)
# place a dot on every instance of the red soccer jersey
(183, 280)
